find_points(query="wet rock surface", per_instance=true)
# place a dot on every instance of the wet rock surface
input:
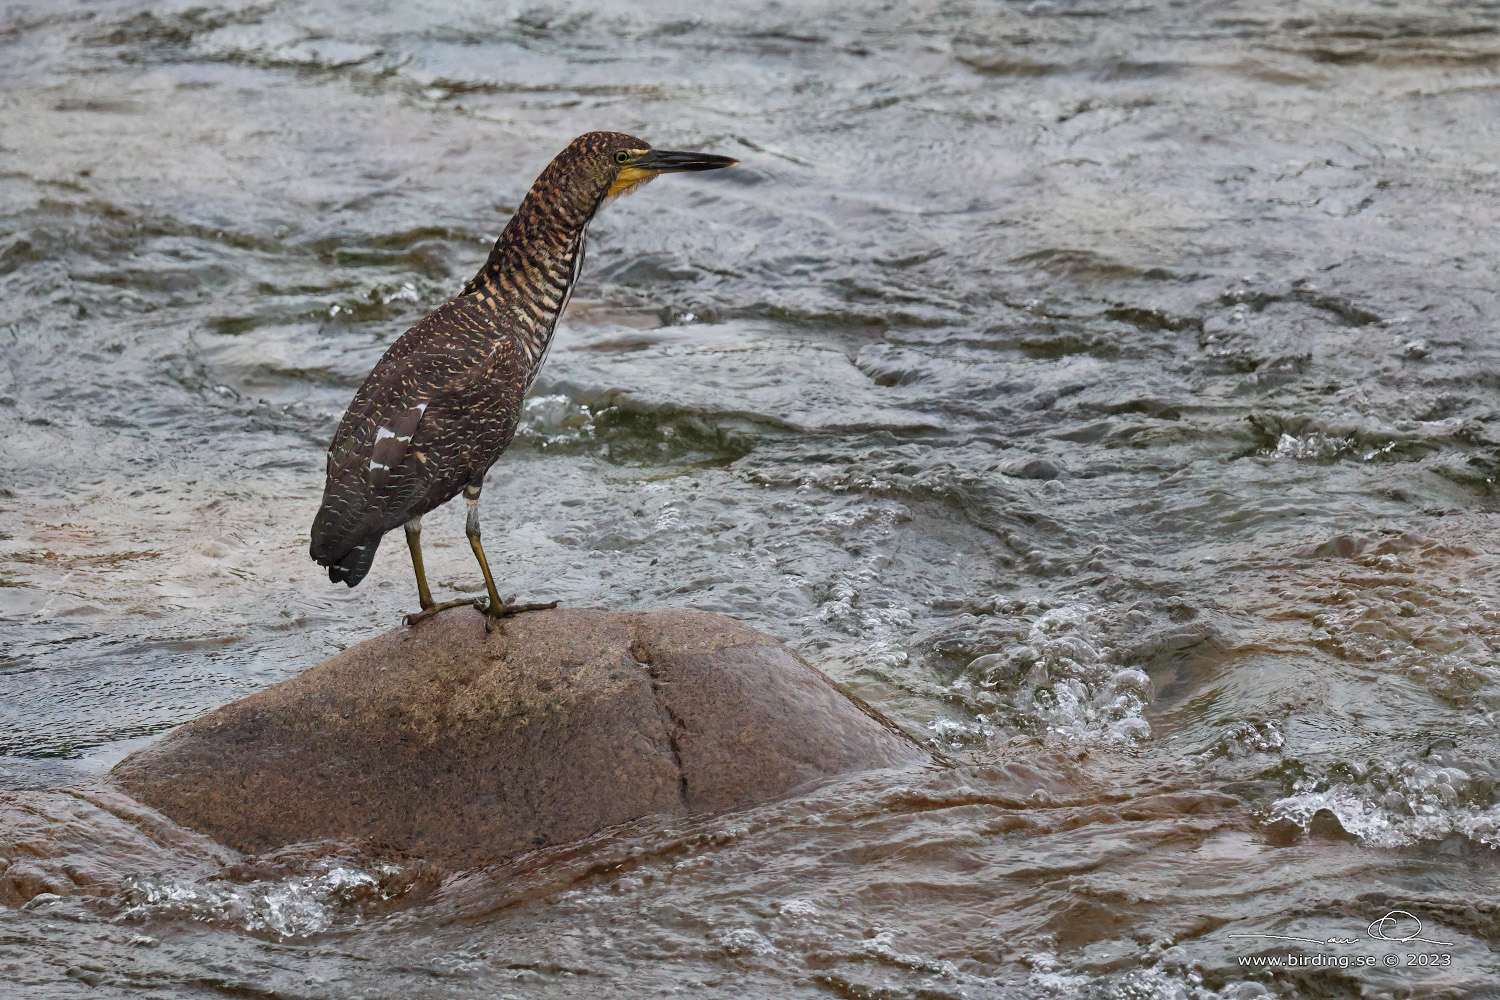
(85, 840)
(464, 746)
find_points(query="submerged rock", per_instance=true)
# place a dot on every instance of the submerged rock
(84, 841)
(465, 747)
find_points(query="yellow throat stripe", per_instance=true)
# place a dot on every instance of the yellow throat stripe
(629, 177)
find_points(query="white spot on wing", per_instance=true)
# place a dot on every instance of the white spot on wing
(383, 433)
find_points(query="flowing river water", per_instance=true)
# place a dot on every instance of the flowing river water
(1107, 391)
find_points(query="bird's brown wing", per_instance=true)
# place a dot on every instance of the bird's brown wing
(425, 418)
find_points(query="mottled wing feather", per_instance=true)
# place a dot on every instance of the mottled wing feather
(393, 445)
(426, 421)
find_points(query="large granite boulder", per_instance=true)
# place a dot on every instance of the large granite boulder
(465, 747)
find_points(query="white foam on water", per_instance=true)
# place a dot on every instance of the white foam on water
(291, 907)
(859, 602)
(957, 734)
(1398, 805)
(1052, 978)
(882, 946)
(1246, 740)
(796, 908)
(406, 293)
(1314, 447)
(555, 418)
(742, 941)
(1063, 679)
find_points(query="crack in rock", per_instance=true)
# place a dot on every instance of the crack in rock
(641, 656)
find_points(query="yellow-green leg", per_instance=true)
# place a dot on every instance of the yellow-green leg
(496, 608)
(424, 594)
(414, 543)
(471, 528)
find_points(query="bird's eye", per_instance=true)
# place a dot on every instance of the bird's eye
(622, 157)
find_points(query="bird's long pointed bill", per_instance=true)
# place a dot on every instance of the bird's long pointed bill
(664, 161)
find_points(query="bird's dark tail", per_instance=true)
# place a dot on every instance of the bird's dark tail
(331, 547)
(352, 566)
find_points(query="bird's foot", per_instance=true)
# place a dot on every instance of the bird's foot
(493, 616)
(425, 613)
(505, 611)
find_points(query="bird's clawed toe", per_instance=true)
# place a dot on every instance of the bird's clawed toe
(494, 618)
(494, 615)
(490, 613)
(516, 609)
(428, 612)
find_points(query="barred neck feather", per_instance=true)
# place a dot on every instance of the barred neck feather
(530, 273)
